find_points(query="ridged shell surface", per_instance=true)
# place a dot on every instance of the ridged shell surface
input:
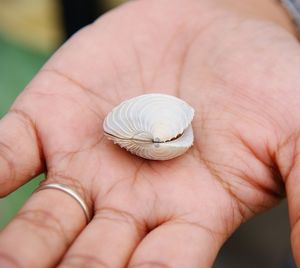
(152, 126)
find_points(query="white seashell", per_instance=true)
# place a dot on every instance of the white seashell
(152, 126)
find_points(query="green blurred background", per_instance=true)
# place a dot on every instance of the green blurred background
(261, 243)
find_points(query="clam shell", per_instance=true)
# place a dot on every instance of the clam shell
(152, 126)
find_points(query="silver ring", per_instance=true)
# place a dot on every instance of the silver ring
(75, 195)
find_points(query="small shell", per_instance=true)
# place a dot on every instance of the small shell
(152, 126)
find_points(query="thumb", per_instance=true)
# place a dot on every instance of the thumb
(20, 153)
(289, 165)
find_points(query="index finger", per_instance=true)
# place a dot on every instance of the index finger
(20, 153)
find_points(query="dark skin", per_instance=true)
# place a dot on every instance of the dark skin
(240, 73)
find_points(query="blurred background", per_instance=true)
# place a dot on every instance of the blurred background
(30, 31)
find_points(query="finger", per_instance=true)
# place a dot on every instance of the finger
(108, 241)
(43, 230)
(177, 244)
(20, 156)
(293, 197)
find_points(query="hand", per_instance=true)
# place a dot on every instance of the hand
(241, 76)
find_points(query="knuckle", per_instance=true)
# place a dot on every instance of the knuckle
(42, 222)
(83, 261)
(8, 172)
(7, 260)
(25, 121)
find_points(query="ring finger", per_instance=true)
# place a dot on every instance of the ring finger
(42, 231)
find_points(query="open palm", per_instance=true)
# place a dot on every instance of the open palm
(239, 75)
